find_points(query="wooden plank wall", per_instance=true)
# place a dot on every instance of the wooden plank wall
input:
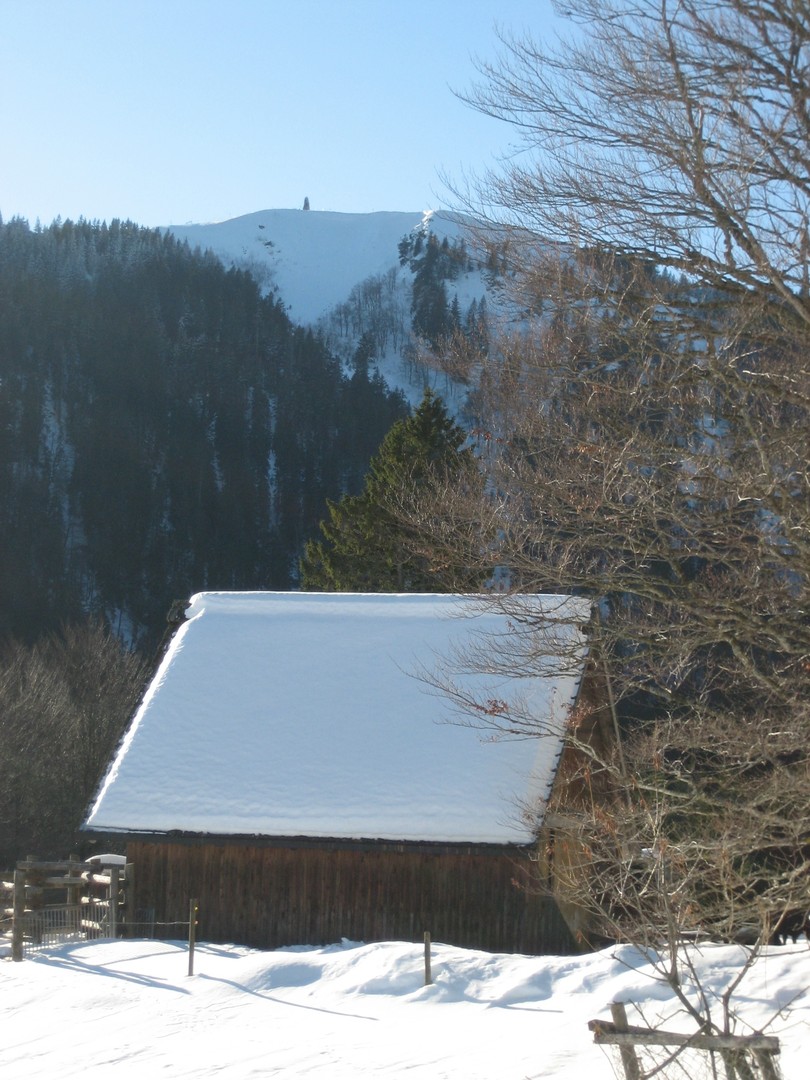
(267, 897)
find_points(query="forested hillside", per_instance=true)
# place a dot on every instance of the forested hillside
(164, 428)
(404, 281)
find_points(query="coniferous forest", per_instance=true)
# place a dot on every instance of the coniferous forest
(164, 428)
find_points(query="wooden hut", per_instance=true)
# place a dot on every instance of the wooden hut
(295, 766)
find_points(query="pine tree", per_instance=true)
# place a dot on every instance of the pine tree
(430, 310)
(366, 546)
(455, 315)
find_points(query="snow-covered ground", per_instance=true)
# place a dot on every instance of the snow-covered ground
(349, 1010)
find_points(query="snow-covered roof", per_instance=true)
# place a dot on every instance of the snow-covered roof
(309, 714)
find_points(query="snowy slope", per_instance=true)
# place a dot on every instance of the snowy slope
(341, 273)
(313, 257)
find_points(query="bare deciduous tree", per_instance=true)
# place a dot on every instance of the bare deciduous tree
(645, 438)
(64, 703)
(675, 130)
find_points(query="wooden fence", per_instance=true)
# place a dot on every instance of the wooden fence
(744, 1057)
(55, 901)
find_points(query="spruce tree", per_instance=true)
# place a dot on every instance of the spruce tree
(366, 545)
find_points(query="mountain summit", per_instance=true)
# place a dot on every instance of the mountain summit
(313, 259)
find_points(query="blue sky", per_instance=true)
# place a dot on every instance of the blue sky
(172, 111)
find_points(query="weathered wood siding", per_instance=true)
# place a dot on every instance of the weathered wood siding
(268, 896)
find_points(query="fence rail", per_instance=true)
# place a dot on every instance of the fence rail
(96, 902)
(748, 1057)
(54, 902)
(52, 926)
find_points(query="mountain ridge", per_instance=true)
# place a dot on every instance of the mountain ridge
(313, 258)
(354, 276)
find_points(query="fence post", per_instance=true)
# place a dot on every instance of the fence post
(112, 910)
(73, 871)
(628, 1054)
(129, 901)
(18, 916)
(767, 1066)
(192, 933)
(428, 975)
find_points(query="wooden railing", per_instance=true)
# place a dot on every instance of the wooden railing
(62, 900)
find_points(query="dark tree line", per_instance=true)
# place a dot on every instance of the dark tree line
(164, 428)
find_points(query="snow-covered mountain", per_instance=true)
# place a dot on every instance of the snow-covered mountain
(313, 258)
(343, 274)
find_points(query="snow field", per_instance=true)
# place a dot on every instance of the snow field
(350, 1010)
